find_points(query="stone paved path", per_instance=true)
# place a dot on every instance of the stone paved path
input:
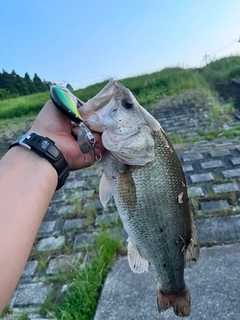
(213, 284)
(212, 172)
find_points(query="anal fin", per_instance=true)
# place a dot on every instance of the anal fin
(136, 262)
(193, 249)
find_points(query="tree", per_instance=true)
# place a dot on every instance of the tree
(22, 86)
(8, 82)
(30, 84)
(38, 83)
(12, 85)
(4, 94)
(47, 84)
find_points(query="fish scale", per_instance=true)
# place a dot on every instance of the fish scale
(148, 224)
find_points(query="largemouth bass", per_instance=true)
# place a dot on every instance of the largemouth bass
(144, 175)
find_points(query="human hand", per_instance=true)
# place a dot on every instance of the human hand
(52, 124)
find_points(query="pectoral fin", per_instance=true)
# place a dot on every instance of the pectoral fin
(105, 190)
(136, 262)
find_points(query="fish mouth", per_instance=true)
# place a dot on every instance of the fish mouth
(96, 110)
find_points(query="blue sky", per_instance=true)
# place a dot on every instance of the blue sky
(87, 41)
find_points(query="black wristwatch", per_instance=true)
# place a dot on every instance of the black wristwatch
(47, 149)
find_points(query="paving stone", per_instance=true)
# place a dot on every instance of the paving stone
(225, 187)
(90, 184)
(121, 233)
(232, 173)
(220, 153)
(47, 228)
(187, 168)
(73, 175)
(219, 229)
(31, 294)
(66, 210)
(223, 144)
(93, 204)
(195, 192)
(63, 263)
(58, 196)
(86, 194)
(32, 312)
(214, 206)
(235, 161)
(201, 177)
(51, 243)
(213, 284)
(192, 156)
(73, 224)
(82, 240)
(76, 184)
(212, 164)
(30, 269)
(107, 218)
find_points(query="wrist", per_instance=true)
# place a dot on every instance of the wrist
(45, 148)
(32, 170)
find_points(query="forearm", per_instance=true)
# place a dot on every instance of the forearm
(27, 183)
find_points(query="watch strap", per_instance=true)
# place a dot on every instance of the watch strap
(47, 149)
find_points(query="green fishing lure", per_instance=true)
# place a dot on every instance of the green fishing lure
(66, 102)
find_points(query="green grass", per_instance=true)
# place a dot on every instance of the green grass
(22, 106)
(222, 70)
(6, 311)
(217, 133)
(84, 285)
(147, 88)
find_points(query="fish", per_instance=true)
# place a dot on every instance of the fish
(143, 173)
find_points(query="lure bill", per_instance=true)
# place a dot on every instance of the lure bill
(67, 103)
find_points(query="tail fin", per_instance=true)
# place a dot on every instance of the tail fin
(181, 303)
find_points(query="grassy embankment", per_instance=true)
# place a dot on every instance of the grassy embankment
(147, 88)
(84, 285)
(172, 86)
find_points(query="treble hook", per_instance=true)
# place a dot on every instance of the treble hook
(94, 158)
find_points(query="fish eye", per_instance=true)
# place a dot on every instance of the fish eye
(127, 103)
